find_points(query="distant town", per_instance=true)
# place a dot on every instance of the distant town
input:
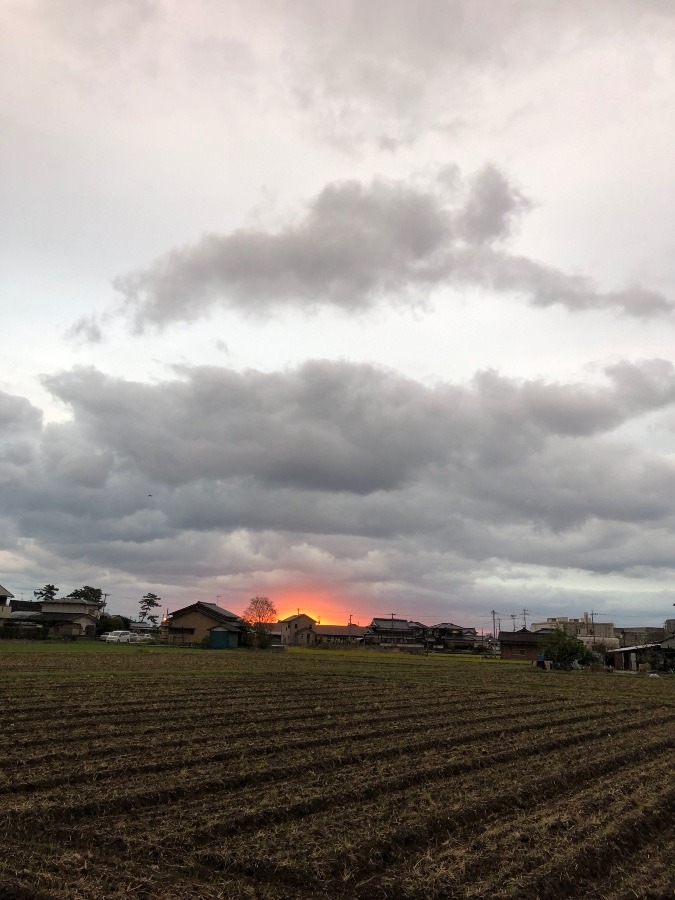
(82, 615)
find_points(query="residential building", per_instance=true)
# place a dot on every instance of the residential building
(65, 616)
(448, 636)
(395, 632)
(71, 606)
(331, 635)
(521, 645)
(5, 607)
(292, 627)
(193, 623)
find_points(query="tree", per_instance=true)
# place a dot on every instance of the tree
(148, 602)
(259, 613)
(94, 595)
(563, 649)
(46, 593)
(112, 623)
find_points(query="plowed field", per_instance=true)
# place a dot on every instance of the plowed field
(148, 773)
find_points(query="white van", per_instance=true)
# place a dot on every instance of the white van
(118, 637)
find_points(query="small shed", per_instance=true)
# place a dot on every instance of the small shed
(224, 637)
(627, 658)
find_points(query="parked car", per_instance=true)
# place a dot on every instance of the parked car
(146, 639)
(104, 636)
(120, 637)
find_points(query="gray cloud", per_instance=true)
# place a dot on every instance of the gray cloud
(401, 66)
(344, 475)
(358, 245)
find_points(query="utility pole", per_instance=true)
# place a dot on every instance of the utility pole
(494, 625)
(526, 613)
(349, 629)
(593, 622)
(392, 629)
(513, 619)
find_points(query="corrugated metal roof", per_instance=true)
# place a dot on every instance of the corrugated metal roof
(636, 647)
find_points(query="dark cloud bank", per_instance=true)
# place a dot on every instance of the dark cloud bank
(346, 474)
(358, 245)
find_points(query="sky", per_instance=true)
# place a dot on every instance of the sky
(364, 306)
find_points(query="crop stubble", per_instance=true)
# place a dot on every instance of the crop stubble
(210, 775)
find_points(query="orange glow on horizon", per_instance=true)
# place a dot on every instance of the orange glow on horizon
(321, 606)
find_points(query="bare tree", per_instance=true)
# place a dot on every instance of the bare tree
(259, 613)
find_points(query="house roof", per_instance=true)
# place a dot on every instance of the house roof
(637, 647)
(44, 618)
(300, 616)
(226, 626)
(521, 637)
(217, 613)
(340, 630)
(395, 624)
(75, 601)
(4, 592)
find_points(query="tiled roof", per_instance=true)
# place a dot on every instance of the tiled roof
(210, 610)
(4, 592)
(395, 624)
(340, 630)
(521, 637)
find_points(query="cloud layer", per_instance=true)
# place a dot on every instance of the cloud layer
(357, 245)
(348, 477)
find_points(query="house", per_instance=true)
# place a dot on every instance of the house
(68, 624)
(331, 635)
(72, 606)
(395, 632)
(447, 636)
(66, 617)
(521, 645)
(291, 627)
(193, 623)
(274, 631)
(5, 608)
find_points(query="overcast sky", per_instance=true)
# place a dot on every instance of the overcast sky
(365, 306)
